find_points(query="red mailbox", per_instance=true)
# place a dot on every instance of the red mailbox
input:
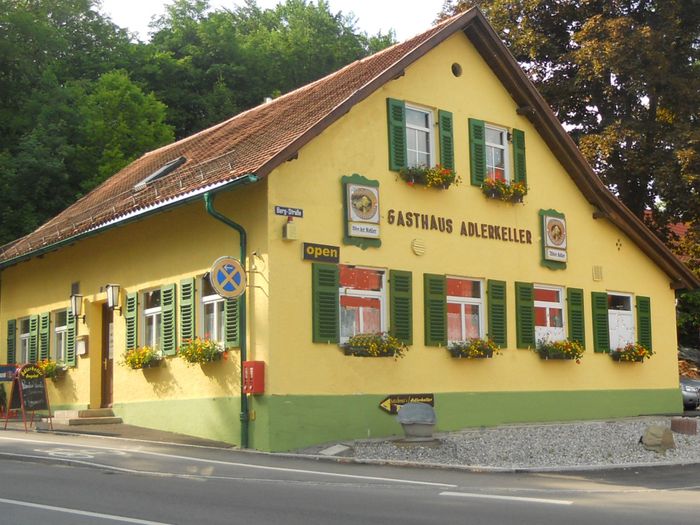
(253, 377)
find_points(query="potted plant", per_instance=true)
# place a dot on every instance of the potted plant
(631, 352)
(200, 350)
(503, 190)
(142, 357)
(435, 177)
(566, 349)
(54, 370)
(474, 348)
(375, 345)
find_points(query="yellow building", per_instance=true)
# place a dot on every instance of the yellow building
(325, 197)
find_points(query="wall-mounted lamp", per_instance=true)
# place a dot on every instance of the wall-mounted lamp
(76, 306)
(113, 297)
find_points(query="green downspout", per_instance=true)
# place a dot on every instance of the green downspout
(209, 202)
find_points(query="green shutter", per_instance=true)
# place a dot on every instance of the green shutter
(325, 306)
(396, 116)
(401, 306)
(44, 336)
(168, 337)
(498, 327)
(435, 305)
(577, 329)
(70, 338)
(447, 153)
(519, 156)
(477, 151)
(525, 315)
(601, 331)
(33, 338)
(187, 315)
(11, 341)
(232, 311)
(131, 320)
(644, 321)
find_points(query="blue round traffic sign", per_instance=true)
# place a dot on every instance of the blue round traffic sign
(228, 278)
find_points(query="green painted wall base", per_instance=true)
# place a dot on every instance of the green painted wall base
(280, 423)
(210, 418)
(298, 421)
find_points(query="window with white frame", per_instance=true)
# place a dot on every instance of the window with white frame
(23, 355)
(620, 320)
(59, 335)
(213, 313)
(465, 309)
(362, 301)
(497, 153)
(152, 318)
(419, 136)
(549, 313)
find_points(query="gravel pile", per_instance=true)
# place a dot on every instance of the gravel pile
(550, 446)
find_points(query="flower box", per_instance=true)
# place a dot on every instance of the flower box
(142, 357)
(361, 351)
(435, 177)
(200, 351)
(567, 350)
(504, 191)
(459, 355)
(52, 369)
(631, 353)
(474, 348)
(374, 345)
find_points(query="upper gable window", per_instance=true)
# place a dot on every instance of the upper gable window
(412, 138)
(497, 161)
(419, 136)
(496, 153)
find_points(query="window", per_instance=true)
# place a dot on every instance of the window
(362, 301)
(496, 153)
(455, 309)
(419, 139)
(620, 320)
(497, 162)
(213, 312)
(60, 334)
(24, 337)
(412, 136)
(152, 318)
(465, 309)
(549, 313)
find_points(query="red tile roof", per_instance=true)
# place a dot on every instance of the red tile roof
(258, 140)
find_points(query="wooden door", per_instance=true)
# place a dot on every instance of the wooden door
(107, 357)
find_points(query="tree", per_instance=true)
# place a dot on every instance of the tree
(625, 76)
(119, 123)
(207, 65)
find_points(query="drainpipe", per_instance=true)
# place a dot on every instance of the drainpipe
(209, 203)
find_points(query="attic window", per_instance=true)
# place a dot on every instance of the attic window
(161, 172)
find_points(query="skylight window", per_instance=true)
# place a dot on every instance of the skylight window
(161, 172)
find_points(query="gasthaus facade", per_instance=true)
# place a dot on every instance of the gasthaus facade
(325, 197)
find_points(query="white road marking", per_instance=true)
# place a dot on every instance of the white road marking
(508, 498)
(110, 517)
(258, 467)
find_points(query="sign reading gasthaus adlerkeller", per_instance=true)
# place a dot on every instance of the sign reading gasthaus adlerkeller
(480, 230)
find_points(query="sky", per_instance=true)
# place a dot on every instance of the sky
(406, 17)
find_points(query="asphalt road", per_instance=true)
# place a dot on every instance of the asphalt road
(82, 479)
